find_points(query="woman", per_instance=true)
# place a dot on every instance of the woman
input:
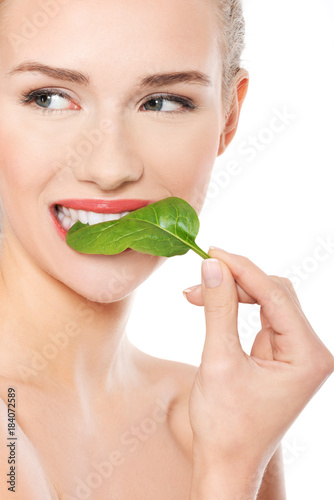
(122, 100)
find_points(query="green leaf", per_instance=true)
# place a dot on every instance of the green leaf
(166, 228)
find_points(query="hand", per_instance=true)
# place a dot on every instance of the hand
(241, 406)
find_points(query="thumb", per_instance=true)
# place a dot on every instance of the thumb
(220, 298)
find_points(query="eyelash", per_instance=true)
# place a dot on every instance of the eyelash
(27, 98)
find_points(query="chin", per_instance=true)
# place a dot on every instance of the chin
(97, 298)
(106, 279)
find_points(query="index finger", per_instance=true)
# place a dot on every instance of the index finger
(280, 309)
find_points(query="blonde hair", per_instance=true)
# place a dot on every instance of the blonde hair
(231, 40)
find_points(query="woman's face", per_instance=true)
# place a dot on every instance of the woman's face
(122, 135)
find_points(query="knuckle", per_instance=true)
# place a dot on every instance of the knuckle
(287, 281)
(326, 364)
(282, 280)
(319, 366)
(243, 268)
(290, 287)
(244, 262)
(222, 309)
(279, 294)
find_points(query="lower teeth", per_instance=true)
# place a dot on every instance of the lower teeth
(67, 223)
(60, 216)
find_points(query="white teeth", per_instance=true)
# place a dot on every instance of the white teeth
(74, 214)
(109, 217)
(61, 215)
(83, 216)
(67, 223)
(68, 217)
(94, 218)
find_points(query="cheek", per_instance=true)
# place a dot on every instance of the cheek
(180, 157)
(30, 155)
(16, 172)
(24, 160)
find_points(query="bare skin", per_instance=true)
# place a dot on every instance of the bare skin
(96, 399)
(141, 459)
(130, 431)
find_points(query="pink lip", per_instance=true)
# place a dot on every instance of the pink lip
(104, 206)
(62, 233)
(98, 206)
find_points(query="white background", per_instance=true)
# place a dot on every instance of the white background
(276, 211)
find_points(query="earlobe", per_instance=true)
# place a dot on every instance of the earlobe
(222, 146)
(231, 122)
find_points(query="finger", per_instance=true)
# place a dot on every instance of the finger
(220, 299)
(275, 298)
(263, 344)
(294, 297)
(194, 295)
(289, 285)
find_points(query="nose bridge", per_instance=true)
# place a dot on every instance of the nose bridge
(109, 154)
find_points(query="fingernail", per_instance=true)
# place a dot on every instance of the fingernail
(212, 273)
(190, 289)
(214, 248)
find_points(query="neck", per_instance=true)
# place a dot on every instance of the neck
(51, 336)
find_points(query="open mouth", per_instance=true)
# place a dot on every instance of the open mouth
(67, 217)
(65, 213)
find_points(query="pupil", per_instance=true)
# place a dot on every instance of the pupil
(44, 99)
(153, 103)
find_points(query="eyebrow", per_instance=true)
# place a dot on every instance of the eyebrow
(155, 80)
(159, 79)
(59, 73)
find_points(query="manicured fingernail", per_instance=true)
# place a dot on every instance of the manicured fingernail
(214, 248)
(190, 289)
(212, 273)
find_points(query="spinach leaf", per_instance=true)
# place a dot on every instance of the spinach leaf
(166, 228)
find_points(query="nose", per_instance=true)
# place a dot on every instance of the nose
(111, 159)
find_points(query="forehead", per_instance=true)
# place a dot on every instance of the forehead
(110, 36)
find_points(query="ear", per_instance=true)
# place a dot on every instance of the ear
(231, 122)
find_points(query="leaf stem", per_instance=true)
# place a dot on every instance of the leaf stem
(199, 251)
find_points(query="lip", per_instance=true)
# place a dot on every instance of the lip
(104, 206)
(98, 206)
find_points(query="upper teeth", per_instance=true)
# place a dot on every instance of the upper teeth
(69, 216)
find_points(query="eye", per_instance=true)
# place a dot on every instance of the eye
(168, 103)
(49, 101)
